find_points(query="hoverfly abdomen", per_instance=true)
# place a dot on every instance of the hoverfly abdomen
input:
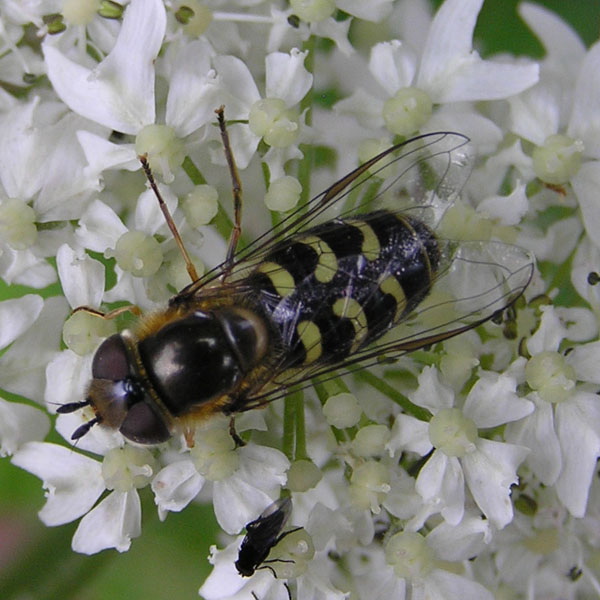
(339, 286)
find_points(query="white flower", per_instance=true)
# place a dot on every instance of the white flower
(461, 456)
(564, 431)
(240, 490)
(448, 71)
(274, 118)
(75, 482)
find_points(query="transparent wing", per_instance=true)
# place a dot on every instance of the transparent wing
(423, 175)
(481, 280)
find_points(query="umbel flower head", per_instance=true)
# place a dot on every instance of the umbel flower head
(465, 469)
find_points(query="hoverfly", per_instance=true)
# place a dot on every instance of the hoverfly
(262, 535)
(320, 295)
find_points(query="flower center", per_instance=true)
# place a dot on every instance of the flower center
(271, 119)
(194, 16)
(544, 542)
(558, 159)
(80, 12)
(452, 433)
(137, 253)
(126, 468)
(214, 454)
(407, 111)
(369, 485)
(313, 11)
(165, 151)
(283, 194)
(409, 555)
(83, 331)
(17, 224)
(201, 205)
(549, 374)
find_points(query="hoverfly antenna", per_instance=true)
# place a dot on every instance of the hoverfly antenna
(83, 429)
(191, 269)
(70, 407)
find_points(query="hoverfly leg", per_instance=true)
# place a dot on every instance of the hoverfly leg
(237, 191)
(239, 442)
(189, 265)
(188, 435)
(111, 314)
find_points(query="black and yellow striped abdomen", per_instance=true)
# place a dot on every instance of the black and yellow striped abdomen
(337, 287)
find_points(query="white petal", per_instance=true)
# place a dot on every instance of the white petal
(193, 89)
(580, 444)
(235, 501)
(19, 424)
(148, 215)
(431, 393)
(460, 542)
(176, 485)
(17, 315)
(450, 37)
(484, 134)
(102, 154)
(393, 65)
(493, 401)
(82, 277)
(99, 227)
(287, 78)
(535, 114)
(443, 585)
(585, 185)
(119, 92)
(489, 472)
(477, 79)
(23, 365)
(537, 433)
(585, 359)
(366, 109)
(111, 524)
(21, 143)
(561, 42)
(549, 334)
(337, 31)
(235, 77)
(440, 483)
(257, 481)
(408, 433)
(508, 210)
(374, 10)
(67, 184)
(25, 268)
(584, 123)
(452, 72)
(581, 325)
(74, 482)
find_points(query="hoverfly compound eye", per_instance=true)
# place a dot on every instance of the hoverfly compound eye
(111, 360)
(144, 425)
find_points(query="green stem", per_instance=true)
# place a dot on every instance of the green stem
(298, 400)
(289, 413)
(385, 388)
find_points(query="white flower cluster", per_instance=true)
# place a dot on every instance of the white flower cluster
(468, 471)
